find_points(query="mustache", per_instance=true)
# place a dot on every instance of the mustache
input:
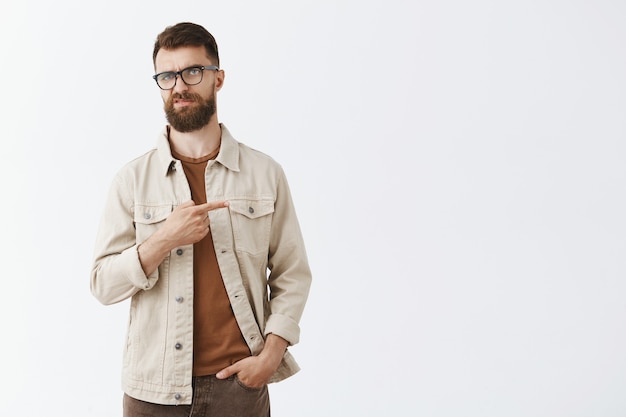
(186, 96)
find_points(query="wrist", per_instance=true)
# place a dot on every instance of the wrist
(152, 251)
(274, 349)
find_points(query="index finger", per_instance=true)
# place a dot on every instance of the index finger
(212, 205)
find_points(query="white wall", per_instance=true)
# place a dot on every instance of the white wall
(458, 168)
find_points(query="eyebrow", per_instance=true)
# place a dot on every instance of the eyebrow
(184, 68)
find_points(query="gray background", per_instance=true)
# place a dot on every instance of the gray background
(457, 168)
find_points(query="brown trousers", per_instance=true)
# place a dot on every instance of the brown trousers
(211, 397)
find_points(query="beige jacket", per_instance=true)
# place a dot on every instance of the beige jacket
(259, 248)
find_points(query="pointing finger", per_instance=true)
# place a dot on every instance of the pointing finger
(212, 205)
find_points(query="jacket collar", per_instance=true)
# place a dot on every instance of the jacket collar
(227, 156)
(229, 151)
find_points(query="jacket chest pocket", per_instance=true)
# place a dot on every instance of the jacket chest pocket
(252, 222)
(148, 218)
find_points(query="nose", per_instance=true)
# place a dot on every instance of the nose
(180, 84)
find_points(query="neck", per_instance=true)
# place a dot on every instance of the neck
(198, 143)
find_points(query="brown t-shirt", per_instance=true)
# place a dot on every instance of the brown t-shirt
(217, 339)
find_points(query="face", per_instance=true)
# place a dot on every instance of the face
(189, 107)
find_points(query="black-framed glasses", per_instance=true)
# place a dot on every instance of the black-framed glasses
(190, 76)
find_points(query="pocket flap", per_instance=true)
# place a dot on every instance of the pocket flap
(252, 209)
(145, 214)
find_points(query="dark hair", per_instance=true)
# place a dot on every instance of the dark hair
(187, 34)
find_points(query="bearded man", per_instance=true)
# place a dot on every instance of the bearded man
(202, 236)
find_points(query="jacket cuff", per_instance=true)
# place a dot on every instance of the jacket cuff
(135, 272)
(284, 327)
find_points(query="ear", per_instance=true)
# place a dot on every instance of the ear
(219, 79)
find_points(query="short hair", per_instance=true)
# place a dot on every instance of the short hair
(186, 34)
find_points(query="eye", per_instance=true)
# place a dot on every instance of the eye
(194, 71)
(166, 76)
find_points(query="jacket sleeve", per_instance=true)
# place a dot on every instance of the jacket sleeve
(116, 272)
(290, 276)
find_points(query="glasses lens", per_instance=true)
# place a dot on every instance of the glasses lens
(192, 76)
(166, 80)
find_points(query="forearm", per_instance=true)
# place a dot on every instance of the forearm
(117, 276)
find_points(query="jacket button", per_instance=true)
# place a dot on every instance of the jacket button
(178, 346)
(250, 210)
(177, 396)
(179, 299)
(147, 216)
(179, 252)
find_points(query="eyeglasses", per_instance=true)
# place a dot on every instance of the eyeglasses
(190, 76)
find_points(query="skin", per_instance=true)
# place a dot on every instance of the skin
(189, 223)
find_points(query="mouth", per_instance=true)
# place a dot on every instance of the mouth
(183, 102)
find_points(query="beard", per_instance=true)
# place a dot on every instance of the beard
(189, 118)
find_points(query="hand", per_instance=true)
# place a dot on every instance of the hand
(256, 371)
(252, 371)
(187, 224)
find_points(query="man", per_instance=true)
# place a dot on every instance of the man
(202, 235)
